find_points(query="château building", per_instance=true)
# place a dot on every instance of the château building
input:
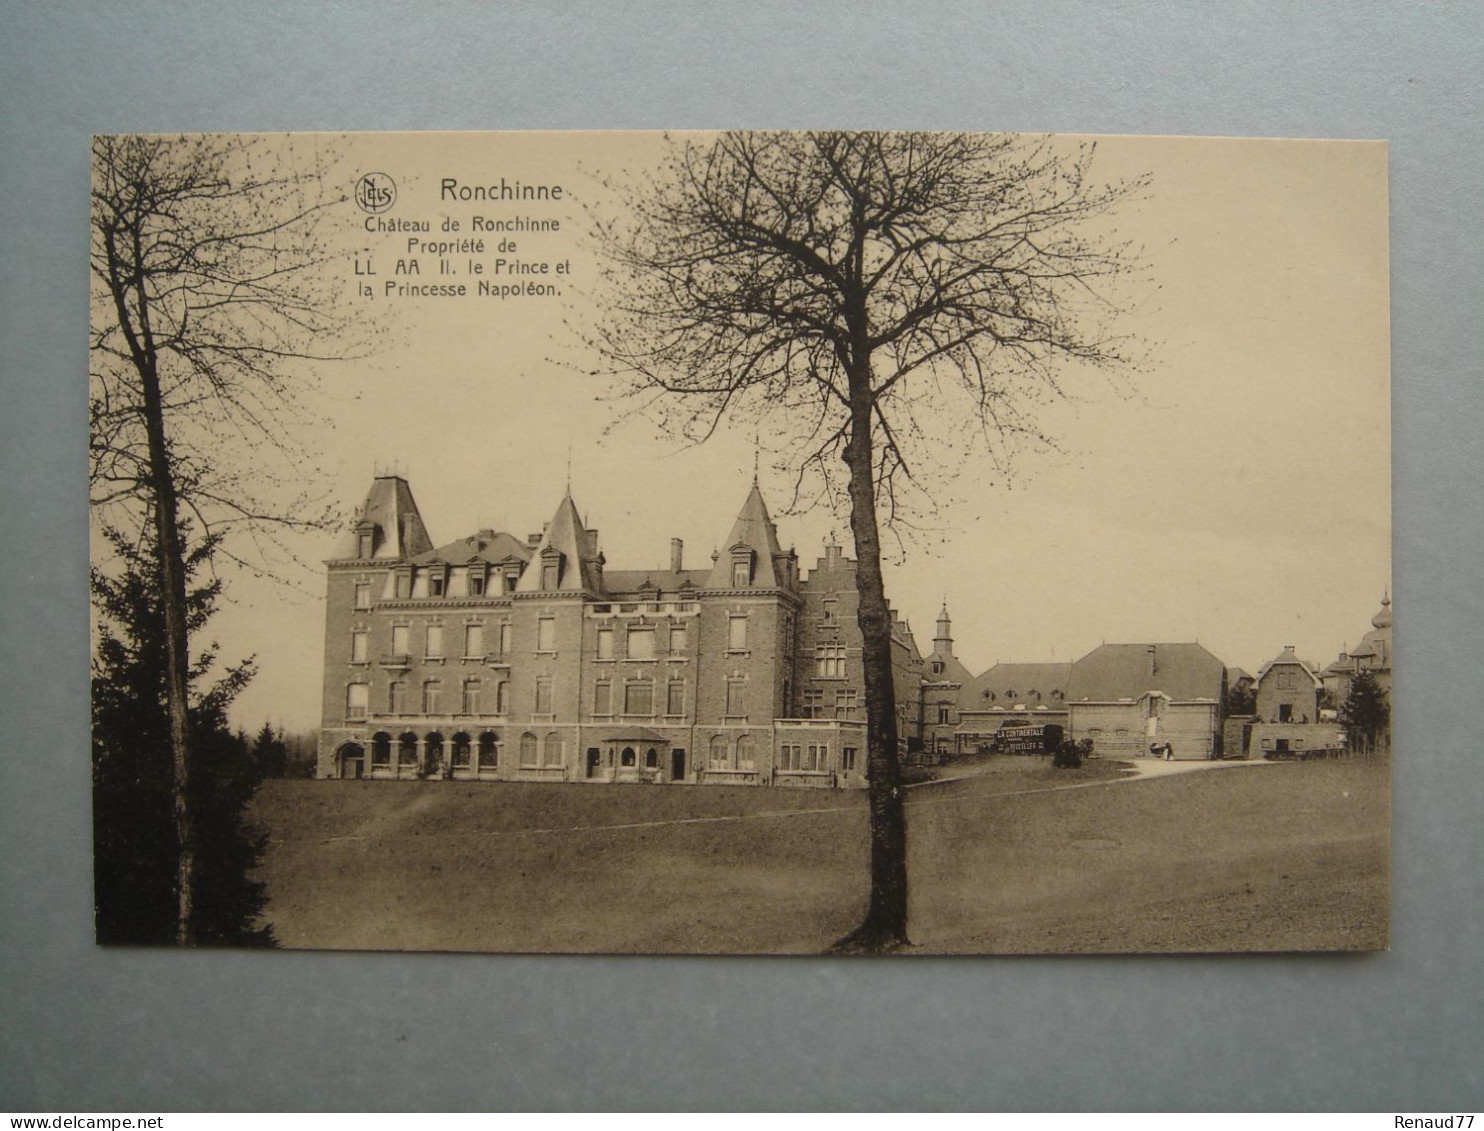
(527, 659)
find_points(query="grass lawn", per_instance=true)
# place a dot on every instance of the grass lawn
(1264, 857)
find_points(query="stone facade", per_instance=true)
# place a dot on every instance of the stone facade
(501, 658)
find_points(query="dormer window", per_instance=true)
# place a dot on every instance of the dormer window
(435, 583)
(937, 667)
(365, 541)
(742, 558)
(551, 568)
(476, 583)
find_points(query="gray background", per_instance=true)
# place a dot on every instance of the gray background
(88, 1028)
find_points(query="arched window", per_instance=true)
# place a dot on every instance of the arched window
(651, 758)
(744, 753)
(407, 749)
(626, 758)
(528, 749)
(553, 749)
(433, 751)
(1034, 696)
(381, 749)
(719, 751)
(459, 757)
(989, 695)
(489, 750)
(1009, 695)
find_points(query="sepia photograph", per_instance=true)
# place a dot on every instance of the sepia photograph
(740, 543)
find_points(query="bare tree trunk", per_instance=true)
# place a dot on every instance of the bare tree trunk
(177, 667)
(171, 563)
(885, 924)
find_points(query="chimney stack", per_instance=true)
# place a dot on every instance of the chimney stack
(677, 554)
(1153, 665)
(592, 543)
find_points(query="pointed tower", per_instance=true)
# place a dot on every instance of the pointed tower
(388, 525)
(943, 640)
(567, 559)
(751, 557)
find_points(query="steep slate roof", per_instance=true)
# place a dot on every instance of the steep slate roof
(566, 534)
(754, 529)
(667, 581)
(953, 668)
(1123, 671)
(1235, 675)
(1019, 678)
(1287, 657)
(485, 545)
(389, 507)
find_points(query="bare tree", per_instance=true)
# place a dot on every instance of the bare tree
(206, 301)
(873, 297)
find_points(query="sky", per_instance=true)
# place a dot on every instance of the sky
(1236, 491)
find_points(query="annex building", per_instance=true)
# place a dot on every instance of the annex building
(503, 658)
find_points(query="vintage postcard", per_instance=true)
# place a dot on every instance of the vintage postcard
(741, 543)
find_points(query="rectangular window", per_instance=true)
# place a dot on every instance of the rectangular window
(357, 699)
(675, 698)
(737, 633)
(845, 703)
(435, 583)
(829, 661)
(401, 643)
(435, 641)
(603, 698)
(605, 643)
(546, 635)
(550, 573)
(432, 696)
(358, 647)
(396, 698)
(505, 631)
(847, 758)
(476, 584)
(543, 697)
(790, 756)
(474, 640)
(471, 697)
(641, 643)
(363, 594)
(817, 758)
(736, 698)
(363, 546)
(677, 640)
(813, 702)
(741, 574)
(638, 698)
(942, 714)
(502, 697)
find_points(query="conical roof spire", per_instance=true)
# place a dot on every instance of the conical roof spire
(565, 556)
(753, 541)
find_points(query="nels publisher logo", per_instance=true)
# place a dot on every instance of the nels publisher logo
(376, 192)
